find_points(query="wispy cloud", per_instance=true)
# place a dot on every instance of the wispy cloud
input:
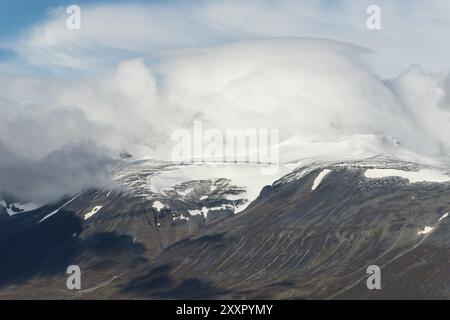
(154, 68)
(412, 31)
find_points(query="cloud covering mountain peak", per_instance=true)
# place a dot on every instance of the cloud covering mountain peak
(315, 91)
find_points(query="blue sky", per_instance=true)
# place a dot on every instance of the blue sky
(18, 15)
(413, 32)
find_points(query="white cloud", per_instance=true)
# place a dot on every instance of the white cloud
(313, 90)
(316, 90)
(412, 32)
(185, 66)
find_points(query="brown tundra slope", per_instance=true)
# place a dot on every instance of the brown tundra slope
(302, 238)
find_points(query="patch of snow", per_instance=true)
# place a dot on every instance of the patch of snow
(158, 205)
(222, 207)
(19, 207)
(354, 147)
(300, 175)
(426, 230)
(444, 216)
(92, 212)
(240, 174)
(204, 198)
(233, 197)
(185, 192)
(57, 210)
(196, 212)
(424, 175)
(181, 217)
(319, 178)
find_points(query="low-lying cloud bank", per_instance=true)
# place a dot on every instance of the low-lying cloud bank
(66, 171)
(59, 136)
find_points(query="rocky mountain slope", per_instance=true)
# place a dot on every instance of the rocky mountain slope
(310, 234)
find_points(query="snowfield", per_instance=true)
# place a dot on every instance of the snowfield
(319, 178)
(17, 207)
(158, 205)
(424, 175)
(243, 175)
(92, 212)
(426, 230)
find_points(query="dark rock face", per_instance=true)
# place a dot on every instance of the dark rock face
(291, 243)
(302, 244)
(126, 231)
(3, 214)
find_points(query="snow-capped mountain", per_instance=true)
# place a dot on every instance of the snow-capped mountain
(307, 231)
(224, 149)
(18, 207)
